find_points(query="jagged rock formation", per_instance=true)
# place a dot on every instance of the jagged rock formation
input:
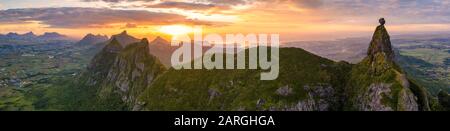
(133, 70)
(53, 36)
(90, 39)
(381, 43)
(120, 74)
(31, 36)
(99, 67)
(378, 84)
(318, 98)
(125, 39)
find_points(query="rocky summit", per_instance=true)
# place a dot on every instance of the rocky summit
(90, 39)
(125, 39)
(381, 43)
(378, 84)
(118, 75)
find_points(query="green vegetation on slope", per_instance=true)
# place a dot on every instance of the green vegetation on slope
(243, 89)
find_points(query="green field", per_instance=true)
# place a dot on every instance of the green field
(433, 56)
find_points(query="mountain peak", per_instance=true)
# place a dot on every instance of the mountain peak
(114, 46)
(125, 39)
(93, 39)
(381, 42)
(144, 40)
(160, 40)
(123, 73)
(30, 34)
(52, 35)
(124, 32)
(89, 35)
(12, 34)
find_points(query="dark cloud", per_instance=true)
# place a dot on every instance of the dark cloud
(74, 17)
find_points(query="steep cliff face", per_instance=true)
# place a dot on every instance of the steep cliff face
(125, 39)
(378, 84)
(133, 70)
(381, 43)
(118, 75)
(99, 66)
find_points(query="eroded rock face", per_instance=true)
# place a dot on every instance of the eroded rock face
(407, 101)
(132, 70)
(319, 98)
(284, 91)
(99, 67)
(371, 100)
(381, 43)
(213, 93)
(376, 83)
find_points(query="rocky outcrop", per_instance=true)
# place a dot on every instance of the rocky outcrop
(133, 70)
(121, 74)
(284, 91)
(377, 83)
(381, 43)
(125, 39)
(372, 99)
(318, 98)
(90, 39)
(99, 66)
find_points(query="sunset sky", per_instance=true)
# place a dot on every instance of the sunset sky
(292, 19)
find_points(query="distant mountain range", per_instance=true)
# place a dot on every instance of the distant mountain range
(90, 39)
(158, 47)
(32, 36)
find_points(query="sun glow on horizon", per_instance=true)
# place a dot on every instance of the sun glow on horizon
(175, 30)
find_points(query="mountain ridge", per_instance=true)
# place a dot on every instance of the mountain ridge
(90, 39)
(117, 74)
(125, 39)
(31, 36)
(307, 82)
